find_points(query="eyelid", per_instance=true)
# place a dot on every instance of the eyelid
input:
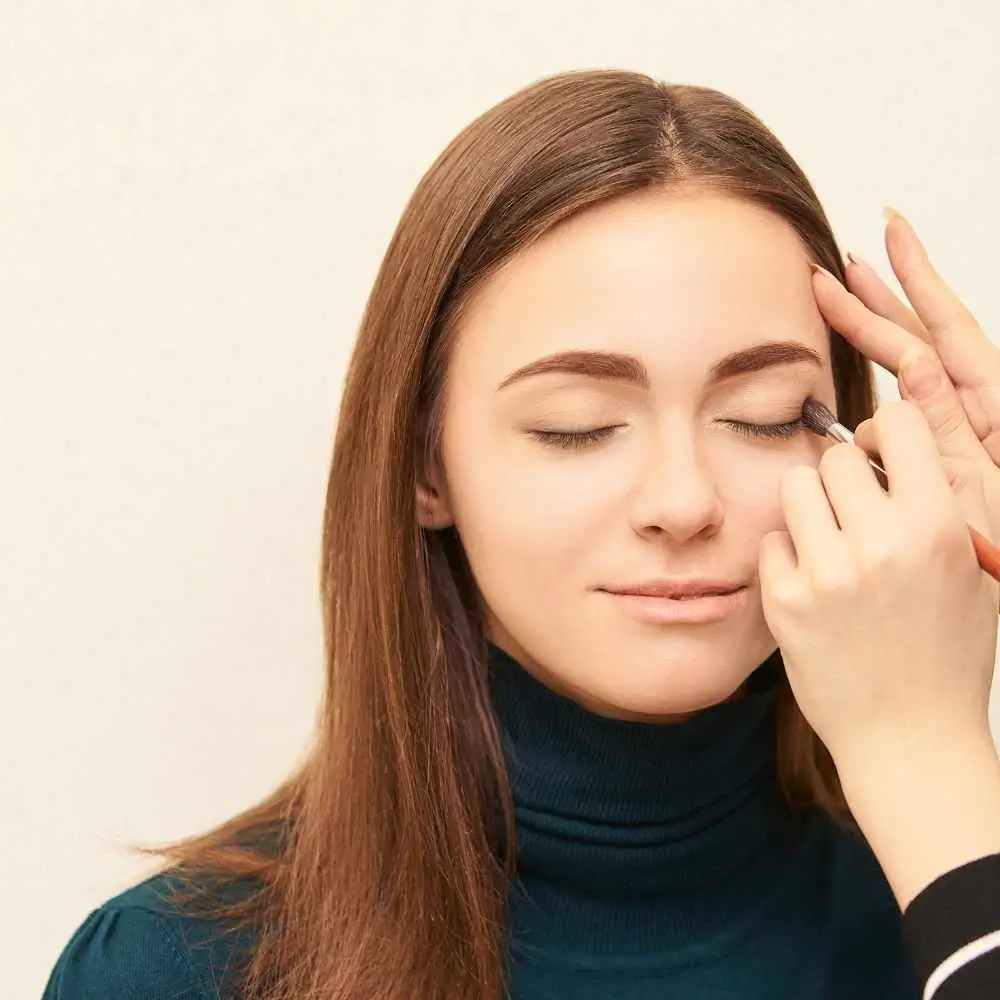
(781, 430)
(572, 439)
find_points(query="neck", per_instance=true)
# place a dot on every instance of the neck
(639, 829)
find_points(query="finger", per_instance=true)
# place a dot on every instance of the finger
(812, 525)
(864, 438)
(864, 282)
(855, 496)
(982, 407)
(909, 453)
(924, 382)
(966, 484)
(957, 421)
(777, 570)
(937, 306)
(965, 350)
(876, 338)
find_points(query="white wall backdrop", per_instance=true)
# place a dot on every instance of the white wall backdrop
(194, 198)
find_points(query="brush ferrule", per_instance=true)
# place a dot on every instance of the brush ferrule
(840, 433)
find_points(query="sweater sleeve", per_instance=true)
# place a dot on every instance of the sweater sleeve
(123, 953)
(952, 931)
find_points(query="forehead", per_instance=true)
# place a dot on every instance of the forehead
(680, 279)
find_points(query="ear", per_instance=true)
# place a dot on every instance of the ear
(433, 507)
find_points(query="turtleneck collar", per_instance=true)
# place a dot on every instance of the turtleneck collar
(630, 834)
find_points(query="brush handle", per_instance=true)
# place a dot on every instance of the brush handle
(986, 552)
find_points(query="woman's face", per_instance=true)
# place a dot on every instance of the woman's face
(613, 420)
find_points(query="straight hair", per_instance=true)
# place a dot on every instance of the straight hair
(378, 869)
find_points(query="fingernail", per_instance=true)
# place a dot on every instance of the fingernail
(860, 261)
(921, 376)
(822, 270)
(890, 213)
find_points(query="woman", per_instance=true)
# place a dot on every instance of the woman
(558, 750)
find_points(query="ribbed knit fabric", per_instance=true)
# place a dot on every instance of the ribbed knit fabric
(655, 862)
(659, 860)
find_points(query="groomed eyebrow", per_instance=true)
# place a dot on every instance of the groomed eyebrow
(626, 368)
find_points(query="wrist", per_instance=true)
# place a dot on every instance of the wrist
(926, 806)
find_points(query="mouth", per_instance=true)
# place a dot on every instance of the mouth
(678, 590)
(664, 602)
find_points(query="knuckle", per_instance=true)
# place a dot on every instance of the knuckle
(964, 472)
(947, 419)
(880, 553)
(835, 580)
(787, 594)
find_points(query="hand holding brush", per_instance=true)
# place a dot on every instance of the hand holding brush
(819, 419)
(944, 362)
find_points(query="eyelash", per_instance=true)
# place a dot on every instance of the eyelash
(583, 439)
(786, 430)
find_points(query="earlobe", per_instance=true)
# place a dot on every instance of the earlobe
(433, 509)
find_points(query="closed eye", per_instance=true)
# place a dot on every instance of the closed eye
(574, 439)
(783, 430)
(571, 440)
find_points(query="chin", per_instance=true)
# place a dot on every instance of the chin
(677, 684)
(674, 704)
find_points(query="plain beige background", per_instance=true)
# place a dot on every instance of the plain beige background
(194, 198)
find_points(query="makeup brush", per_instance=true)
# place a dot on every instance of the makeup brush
(822, 422)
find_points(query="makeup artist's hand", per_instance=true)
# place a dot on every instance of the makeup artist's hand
(887, 627)
(944, 362)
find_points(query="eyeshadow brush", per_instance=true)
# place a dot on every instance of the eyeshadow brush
(821, 421)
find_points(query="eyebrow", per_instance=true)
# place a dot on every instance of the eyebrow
(626, 368)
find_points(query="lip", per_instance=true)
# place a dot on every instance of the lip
(694, 602)
(691, 587)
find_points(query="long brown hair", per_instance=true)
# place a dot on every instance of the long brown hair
(376, 868)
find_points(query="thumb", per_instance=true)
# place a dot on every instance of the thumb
(924, 382)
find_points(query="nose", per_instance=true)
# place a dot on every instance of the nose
(675, 495)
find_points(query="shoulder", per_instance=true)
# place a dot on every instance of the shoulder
(141, 944)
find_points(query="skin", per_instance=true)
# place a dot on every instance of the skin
(921, 774)
(677, 282)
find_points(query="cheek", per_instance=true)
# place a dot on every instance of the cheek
(751, 482)
(526, 502)
(537, 510)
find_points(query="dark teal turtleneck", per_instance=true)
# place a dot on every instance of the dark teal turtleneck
(659, 861)
(654, 861)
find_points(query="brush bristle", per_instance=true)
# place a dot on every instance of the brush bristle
(817, 417)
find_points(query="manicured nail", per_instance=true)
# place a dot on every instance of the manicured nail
(921, 376)
(860, 261)
(822, 270)
(890, 213)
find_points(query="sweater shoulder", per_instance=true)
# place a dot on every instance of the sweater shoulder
(143, 943)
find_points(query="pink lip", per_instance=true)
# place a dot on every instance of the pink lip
(676, 588)
(691, 602)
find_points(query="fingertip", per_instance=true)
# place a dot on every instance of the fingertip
(864, 434)
(823, 273)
